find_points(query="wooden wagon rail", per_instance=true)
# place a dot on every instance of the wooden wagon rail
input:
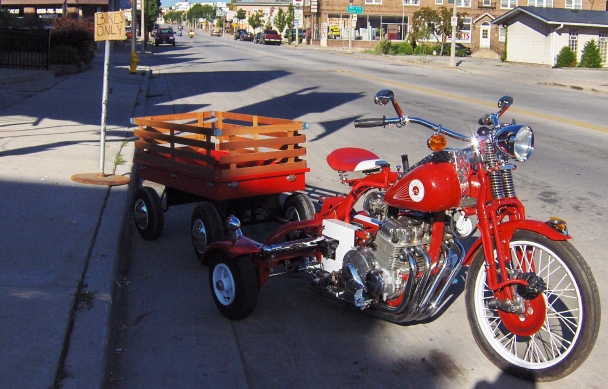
(211, 147)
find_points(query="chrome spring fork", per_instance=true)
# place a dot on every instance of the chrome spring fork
(507, 183)
(496, 182)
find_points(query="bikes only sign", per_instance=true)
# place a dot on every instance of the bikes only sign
(110, 26)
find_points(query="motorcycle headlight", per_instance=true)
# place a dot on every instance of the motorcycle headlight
(516, 141)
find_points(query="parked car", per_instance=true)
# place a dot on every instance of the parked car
(271, 37)
(237, 33)
(216, 31)
(293, 34)
(257, 38)
(461, 50)
(246, 36)
(164, 35)
(128, 33)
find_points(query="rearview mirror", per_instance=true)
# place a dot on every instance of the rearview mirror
(384, 97)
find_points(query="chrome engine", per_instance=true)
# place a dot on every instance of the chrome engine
(396, 263)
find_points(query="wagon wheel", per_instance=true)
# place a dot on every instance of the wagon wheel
(148, 213)
(298, 206)
(205, 227)
(234, 285)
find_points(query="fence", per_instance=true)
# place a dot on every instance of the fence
(24, 49)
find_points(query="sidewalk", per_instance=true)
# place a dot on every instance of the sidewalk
(61, 241)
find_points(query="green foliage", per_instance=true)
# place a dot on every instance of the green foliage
(566, 58)
(77, 33)
(241, 14)
(268, 26)
(386, 47)
(423, 49)
(255, 21)
(64, 55)
(173, 16)
(280, 20)
(591, 57)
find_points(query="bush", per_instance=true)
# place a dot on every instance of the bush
(64, 55)
(566, 58)
(591, 57)
(77, 33)
(402, 48)
(423, 50)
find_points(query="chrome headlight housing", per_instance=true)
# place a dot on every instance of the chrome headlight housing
(374, 205)
(515, 141)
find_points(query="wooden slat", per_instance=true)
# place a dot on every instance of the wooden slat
(270, 143)
(260, 170)
(262, 156)
(177, 153)
(165, 126)
(229, 129)
(144, 135)
(173, 166)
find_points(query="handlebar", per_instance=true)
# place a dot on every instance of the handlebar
(385, 96)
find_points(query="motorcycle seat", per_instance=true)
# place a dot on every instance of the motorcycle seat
(353, 159)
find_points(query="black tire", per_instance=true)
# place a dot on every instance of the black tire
(205, 227)
(570, 325)
(234, 285)
(147, 213)
(298, 206)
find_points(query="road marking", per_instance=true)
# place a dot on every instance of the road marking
(447, 95)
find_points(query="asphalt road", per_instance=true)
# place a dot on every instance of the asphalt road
(172, 335)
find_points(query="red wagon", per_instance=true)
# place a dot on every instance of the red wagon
(228, 162)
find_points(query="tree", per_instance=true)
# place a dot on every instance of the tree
(208, 12)
(591, 57)
(566, 58)
(443, 29)
(425, 22)
(195, 12)
(255, 21)
(289, 20)
(280, 20)
(241, 14)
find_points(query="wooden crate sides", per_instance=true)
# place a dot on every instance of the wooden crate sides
(220, 145)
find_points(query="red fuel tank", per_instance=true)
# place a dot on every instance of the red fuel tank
(431, 187)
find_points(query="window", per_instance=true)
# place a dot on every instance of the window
(438, 1)
(411, 2)
(508, 4)
(574, 4)
(487, 3)
(601, 44)
(373, 1)
(540, 3)
(502, 34)
(464, 3)
(573, 40)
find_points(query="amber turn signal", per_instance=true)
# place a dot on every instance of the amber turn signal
(437, 142)
(558, 224)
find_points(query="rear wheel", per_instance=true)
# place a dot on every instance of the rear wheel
(234, 285)
(557, 330)
(205, 227)
(148, 213)
(298, 206)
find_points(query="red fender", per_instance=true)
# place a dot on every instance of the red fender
(507, 229)
(230, 249)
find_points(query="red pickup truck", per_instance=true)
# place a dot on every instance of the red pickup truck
(271, 37)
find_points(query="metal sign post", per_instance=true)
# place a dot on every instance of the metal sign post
(108, 26)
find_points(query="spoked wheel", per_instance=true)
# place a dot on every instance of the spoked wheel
(205, 227)
(234, 285)
(298, 206)
(148, 213)
(558, 329)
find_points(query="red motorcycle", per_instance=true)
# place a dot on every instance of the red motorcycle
(531, 299)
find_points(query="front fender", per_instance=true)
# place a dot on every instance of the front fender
(507, 229)
(230, 249)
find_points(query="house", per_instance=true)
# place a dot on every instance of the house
(536, 35)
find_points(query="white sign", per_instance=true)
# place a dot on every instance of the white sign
(296, 23)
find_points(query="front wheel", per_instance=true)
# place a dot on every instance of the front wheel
(148, 213)
(234, 285)
(557, 330)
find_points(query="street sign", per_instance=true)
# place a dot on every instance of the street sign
(354, 9)
(110, 26)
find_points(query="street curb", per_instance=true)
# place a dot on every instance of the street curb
(85, 365)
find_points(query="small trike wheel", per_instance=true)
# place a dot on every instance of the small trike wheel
(298, 206)
(234, 285)
(148, 213)
(205, 227)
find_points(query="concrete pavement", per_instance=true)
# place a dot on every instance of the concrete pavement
(61, 243)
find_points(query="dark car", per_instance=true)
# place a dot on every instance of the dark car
(257, 38)
(293, 34)
(164, 35)
(461, 50)
(237, 33)
(246, 36)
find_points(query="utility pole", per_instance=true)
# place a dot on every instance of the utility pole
(143, 26)
(453, 46)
